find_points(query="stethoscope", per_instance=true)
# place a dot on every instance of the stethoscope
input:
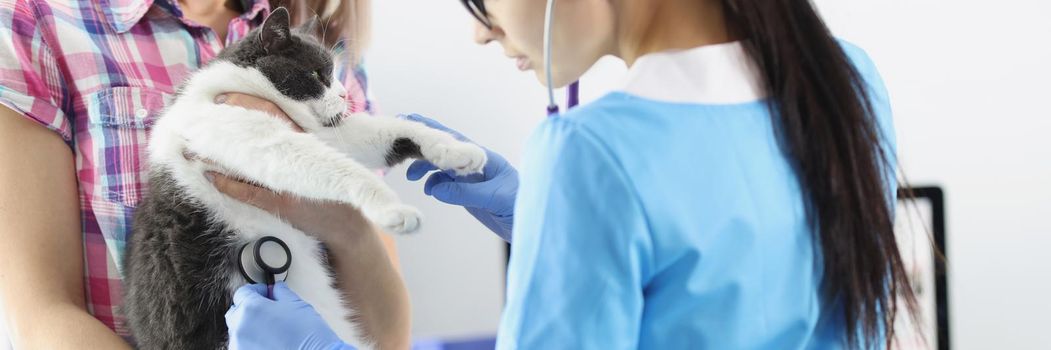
(265, 261)
(573, 91)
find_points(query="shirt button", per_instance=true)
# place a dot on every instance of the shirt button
(142, 113)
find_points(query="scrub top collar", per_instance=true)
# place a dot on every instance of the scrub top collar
(710, 74)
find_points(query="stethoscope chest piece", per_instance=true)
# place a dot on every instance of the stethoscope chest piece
(265, 261)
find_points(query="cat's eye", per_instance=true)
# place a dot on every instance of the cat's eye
(316, 75)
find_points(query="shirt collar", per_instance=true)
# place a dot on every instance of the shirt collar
(124, 14)
(711, 74)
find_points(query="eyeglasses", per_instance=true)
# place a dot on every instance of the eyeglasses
(477, 9)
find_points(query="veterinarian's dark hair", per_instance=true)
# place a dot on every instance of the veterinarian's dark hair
(827, 127)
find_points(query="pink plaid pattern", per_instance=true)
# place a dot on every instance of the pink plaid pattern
(97, 73)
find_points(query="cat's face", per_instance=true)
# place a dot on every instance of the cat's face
(295, 62)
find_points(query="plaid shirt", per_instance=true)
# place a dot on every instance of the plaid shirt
(97, 73)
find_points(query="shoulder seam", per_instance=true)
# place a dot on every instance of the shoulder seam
(38, 14)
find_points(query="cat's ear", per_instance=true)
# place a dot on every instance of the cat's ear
(275, 34)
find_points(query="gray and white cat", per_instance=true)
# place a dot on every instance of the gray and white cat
(181, 265)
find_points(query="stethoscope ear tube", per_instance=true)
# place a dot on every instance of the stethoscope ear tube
(552, 107)
(574, 88)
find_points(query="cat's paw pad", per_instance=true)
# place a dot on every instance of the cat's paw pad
(462, 157)
(399, 218)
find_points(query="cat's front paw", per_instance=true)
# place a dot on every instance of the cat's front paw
(398, 218)
(462, 157)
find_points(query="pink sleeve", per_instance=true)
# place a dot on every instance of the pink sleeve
(31, 82)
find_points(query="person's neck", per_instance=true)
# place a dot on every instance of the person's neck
(671, 25)
(212, 13)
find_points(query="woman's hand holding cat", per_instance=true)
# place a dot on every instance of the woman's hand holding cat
(489, 197)
(256, 103)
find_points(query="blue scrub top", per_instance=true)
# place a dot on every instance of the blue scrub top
(666, 216)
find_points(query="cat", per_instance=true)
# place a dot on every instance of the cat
(181, 260)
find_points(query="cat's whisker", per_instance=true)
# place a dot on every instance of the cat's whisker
(324, 30)
(322, 23)
(337, 43)
(340, 137)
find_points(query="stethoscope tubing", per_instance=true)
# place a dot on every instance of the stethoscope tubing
(573, 92)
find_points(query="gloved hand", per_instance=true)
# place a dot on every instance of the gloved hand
(489, 197)
(287, 322)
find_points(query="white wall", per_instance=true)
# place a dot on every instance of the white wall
(422, 61)
(969, 82)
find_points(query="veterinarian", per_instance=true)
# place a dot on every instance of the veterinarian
(80, 84)
(735, 193)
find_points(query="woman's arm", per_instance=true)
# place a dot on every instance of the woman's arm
(392, 249)
(41, 257)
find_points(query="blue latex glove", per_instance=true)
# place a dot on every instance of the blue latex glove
(287, 322)
(489, 197)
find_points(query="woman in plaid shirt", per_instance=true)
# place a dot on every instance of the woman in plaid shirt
(80, 84)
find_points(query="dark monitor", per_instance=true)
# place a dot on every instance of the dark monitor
(920, 228)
